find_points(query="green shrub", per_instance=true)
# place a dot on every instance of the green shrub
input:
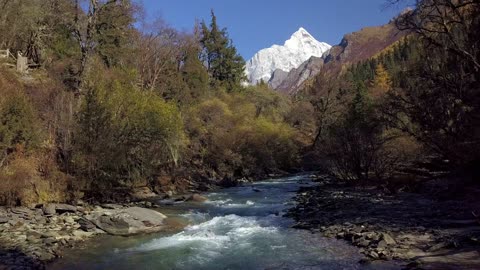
(125, 134)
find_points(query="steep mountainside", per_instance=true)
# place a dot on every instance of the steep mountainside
(298, 49)
(354, 47)
(296, 77)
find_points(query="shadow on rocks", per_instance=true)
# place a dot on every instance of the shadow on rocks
(14, 259)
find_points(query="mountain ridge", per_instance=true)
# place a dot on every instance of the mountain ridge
(354, 47)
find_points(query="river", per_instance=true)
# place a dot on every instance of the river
(237, 228)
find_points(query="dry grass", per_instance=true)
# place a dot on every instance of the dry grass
(28, 180)
(30, 176)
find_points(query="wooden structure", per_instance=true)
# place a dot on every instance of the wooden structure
(5, 54)
(21, 65)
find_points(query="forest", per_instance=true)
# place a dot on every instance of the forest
(116, 103)
(412, 106)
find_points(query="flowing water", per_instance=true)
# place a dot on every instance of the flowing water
(238, 228)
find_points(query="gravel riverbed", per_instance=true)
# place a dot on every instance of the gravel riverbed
(418, 229)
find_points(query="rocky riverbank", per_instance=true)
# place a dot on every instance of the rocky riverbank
(419, 229)
(32, 237)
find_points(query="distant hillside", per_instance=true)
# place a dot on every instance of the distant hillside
(354, 47)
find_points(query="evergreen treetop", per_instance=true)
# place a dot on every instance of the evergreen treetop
(223, 62)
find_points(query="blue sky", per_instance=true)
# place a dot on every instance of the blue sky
(257, 24)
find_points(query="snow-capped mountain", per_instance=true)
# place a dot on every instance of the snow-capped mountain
(298, 49)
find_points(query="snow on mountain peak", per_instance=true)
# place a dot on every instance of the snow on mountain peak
(301, 34)
(296, 50)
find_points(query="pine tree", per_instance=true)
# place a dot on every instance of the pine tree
(114, 29)
(224, 64)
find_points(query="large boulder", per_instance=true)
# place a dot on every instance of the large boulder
(62, 208)
(128, 221)
(53, 208)
(49, 209)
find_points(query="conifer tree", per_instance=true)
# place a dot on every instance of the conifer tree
(223, 62)
(194, 73)
(114, 29)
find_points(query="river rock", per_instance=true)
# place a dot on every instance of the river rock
(111, 206)
(86, 225)
(69, 219)
(49, 209)
(50, 241)
(32, 236)
(50, 234)
(382, 244)
(22, 211)
(15, 222)
(62, 208)
(196, 198)
(128, 221)
(388, 239)
(373, 255)
(438, 247)
(3, 219)
(143, 193)
(148, 204)
(44, 255)
(362, 242)
(79, 203)
(82, 234)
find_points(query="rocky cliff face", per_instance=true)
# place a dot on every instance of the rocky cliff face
(277, 78)
(295, 78)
